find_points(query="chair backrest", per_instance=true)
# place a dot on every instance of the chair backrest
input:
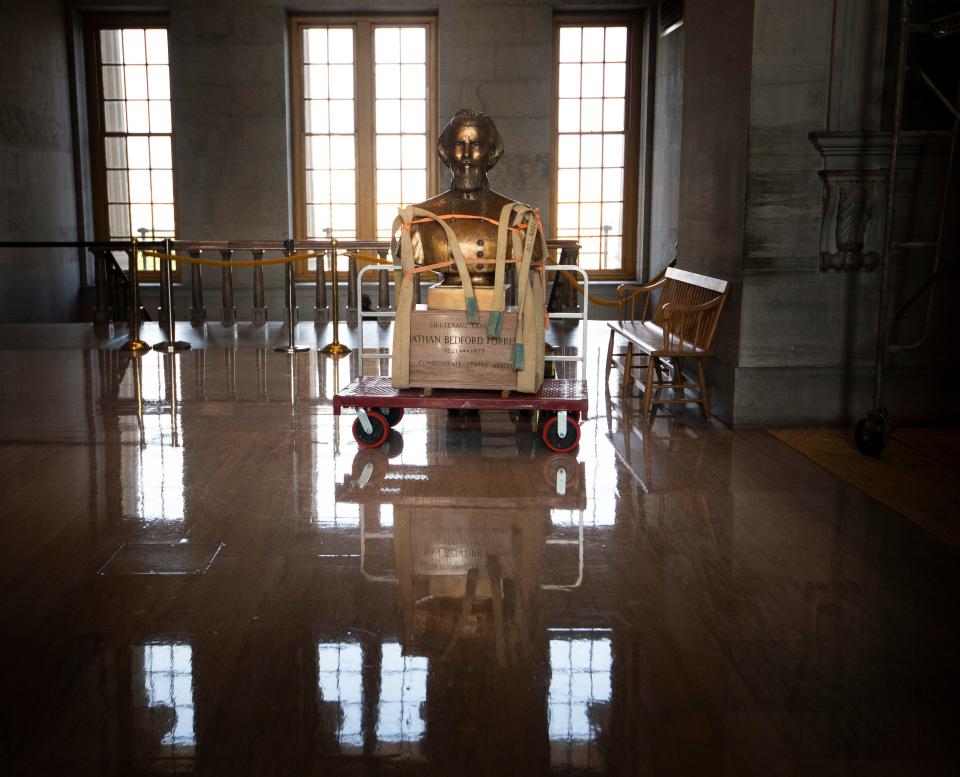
(689, 288)
(627, 309)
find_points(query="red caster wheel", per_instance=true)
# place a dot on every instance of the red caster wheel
(555, 442)
(378, 431)
(392, 414)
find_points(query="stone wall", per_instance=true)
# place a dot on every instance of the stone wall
(667, 128)
(718, 42)
(230, 87)
(36, 165)
(808, 329)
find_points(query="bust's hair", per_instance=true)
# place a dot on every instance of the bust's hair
(466, 117)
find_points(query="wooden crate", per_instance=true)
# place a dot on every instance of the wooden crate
(447, 351)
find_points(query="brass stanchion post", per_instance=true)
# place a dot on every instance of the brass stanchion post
(228, 313)
(198, 313)
(336, 348)
(135, 345)
(171, 344)
(259, 295)
(291, 346)
(321, 311)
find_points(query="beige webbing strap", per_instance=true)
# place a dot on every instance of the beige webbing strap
(523, 280)
(400, 368)
(453, 245)
(495, 321)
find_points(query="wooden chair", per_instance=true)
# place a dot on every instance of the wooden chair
(682, 326)
(628, 295)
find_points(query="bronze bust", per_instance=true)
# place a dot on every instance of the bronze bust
(469, 146)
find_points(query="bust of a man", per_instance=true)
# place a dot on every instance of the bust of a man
(469, 146)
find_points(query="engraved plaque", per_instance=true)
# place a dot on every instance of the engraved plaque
(447, 351)
(452, 542)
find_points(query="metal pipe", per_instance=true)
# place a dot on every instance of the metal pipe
(383, 286)
(101, 310)
(135, 345)
(291, 346)
(947, 177)
(171, 344)
(940, 95)
(259, 314)
(891, 194)
(198, 313)
(351, 288)
(228, 313)
(163, 311)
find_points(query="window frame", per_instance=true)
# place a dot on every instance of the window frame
(634, 131)
(364, 26)
(93, 23)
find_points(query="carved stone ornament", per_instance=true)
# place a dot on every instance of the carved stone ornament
(854, 179)
(851, 229)
(851, 225)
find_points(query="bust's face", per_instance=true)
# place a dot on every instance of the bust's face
(468, 155)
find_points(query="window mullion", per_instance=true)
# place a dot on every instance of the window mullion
(366, 166)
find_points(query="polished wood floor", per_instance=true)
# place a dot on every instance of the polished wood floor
(202, 573)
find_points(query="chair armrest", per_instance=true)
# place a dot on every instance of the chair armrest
(636, 290)
(673, 307)
(688, 323)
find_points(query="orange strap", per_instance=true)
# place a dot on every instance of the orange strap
(438, 265)
(520, 228)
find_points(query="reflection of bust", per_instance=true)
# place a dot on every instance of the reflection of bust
(470, 146)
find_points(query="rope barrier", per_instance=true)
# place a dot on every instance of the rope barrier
(240, 263)
(570, 278)
(604, 303)
(368, 259)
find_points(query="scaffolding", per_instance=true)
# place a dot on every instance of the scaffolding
(872, 433)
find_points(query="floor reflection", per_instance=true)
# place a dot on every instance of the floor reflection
(579, 696)
(674, 598)
(163, 705)
(153, 463)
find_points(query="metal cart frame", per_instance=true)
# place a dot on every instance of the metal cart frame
(380, 406)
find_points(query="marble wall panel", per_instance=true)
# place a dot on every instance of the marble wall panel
(716, 112)
(807, 318)
(802, 396)
(831, 396)
(667, 115)
(229, 120)
(37, 200)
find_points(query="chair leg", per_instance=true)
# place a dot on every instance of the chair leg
(704, 396)
(627, 370)
(610, 353)
(648, 389)
(678, 377)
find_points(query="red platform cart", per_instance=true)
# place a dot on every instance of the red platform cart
(380, 406)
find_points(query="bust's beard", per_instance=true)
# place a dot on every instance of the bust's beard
(469, 180)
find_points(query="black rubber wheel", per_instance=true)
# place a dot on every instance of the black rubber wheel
(871, 436)
(557, 443)
(392, 414)
(393, 445)
(378, 433)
